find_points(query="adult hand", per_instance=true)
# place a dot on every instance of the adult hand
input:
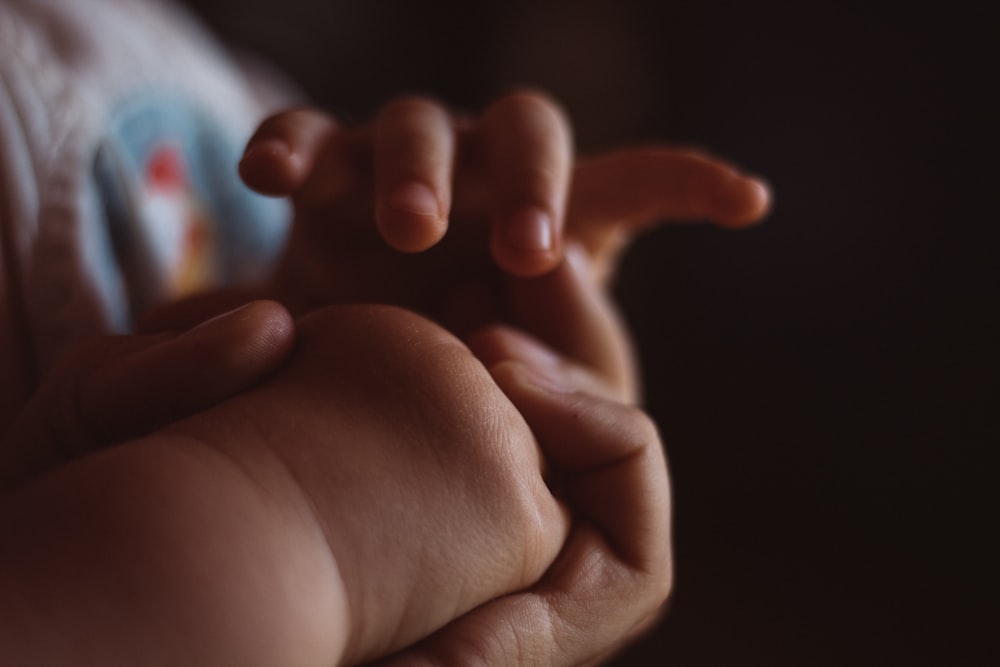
(115, 388)
(614, 572)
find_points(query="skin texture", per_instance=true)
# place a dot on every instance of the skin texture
(458, 490)
(376, 564)
(254, 532)
(489, 176)
(458, 269)
(102, 392)
(609, 463)
(512, 510)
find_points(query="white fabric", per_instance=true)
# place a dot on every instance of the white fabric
(90, 92)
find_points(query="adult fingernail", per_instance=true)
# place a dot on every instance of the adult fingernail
(529, 229)
(416, 198)
(547, 377)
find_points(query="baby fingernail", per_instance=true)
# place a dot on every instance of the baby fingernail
(414, 197)
(529, 229)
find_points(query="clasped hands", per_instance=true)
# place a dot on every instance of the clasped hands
(487, 495)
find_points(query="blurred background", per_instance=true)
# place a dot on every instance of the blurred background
(825, 383)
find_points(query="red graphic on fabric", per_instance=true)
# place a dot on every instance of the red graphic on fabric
(181, 232)
(165, 169)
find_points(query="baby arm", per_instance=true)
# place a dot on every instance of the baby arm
(376, 487)
(159, 551)
(95, 539)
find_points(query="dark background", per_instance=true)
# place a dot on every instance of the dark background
(825, 383)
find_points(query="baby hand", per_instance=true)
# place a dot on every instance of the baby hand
(415, 475)
(467, 200)
(419, 168)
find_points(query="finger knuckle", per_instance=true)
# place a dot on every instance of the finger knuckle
(653, 589)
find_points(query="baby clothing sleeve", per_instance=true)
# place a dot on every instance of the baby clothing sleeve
(121, 125)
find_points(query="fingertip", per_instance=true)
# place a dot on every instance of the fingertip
(529, 157)
(414, 150)
(748, 201)
(270, 332)
(763, 196)
(411, 219)
(284, 149)
(249, 340)
(415, 198)
(529, 230)
(269, 167)
(525, 243)
(173, 376)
